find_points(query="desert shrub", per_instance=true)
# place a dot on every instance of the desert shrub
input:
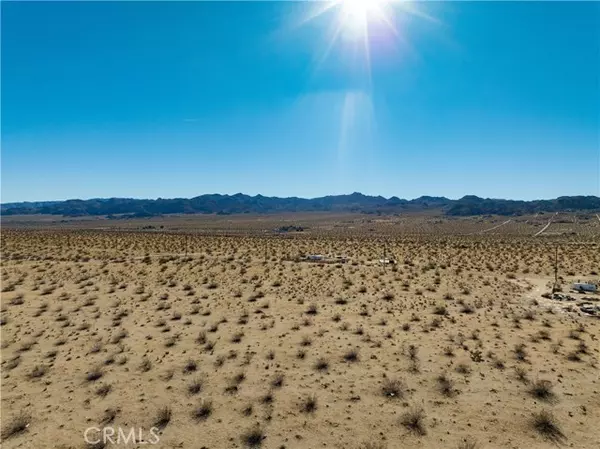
(476, 356)
(162, 418)
(522, 374)
(202, 411)
(546, 425)
(277, 381)
(440, 310)
(145, 365)
(322, 364)
(38, 371)
(190, 366)
(467, 308)
(94, 374)
(103, 390)
(414, 420)
(463, 368)
(388, 296)
(393, 388)
(309, 404)
(413, 352)
(542, 389)
(351, 355)
(15, 425)
(253, 437)
(195, 386)
(445, 385)
(520, 352)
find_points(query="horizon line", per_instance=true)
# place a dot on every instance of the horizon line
(289, 197)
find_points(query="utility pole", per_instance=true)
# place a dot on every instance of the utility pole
(554, 288)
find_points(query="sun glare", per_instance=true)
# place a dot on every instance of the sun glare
(356, 32)
(360, 9)
(355, 15)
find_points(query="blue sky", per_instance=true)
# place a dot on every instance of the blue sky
(149, 99)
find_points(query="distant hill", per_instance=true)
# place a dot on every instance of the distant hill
(355, 202)
(473, 205)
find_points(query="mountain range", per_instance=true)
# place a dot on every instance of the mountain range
(355, 202)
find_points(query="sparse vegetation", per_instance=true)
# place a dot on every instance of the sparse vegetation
(393, 388)
(414, 421)
(203, 410)
(15, 425)
(94, 374)
(253, 437)
(321, 365)
(546, 425)
(542, 389)
(162, 418)
(351, 355)
(195, 386)
(309, 404)
(116, 314)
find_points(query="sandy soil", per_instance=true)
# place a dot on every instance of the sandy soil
(239, 343)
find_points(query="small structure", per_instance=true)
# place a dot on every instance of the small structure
(319, 258)
(290, 228)
(584, 287)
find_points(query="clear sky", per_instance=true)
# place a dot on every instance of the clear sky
(159, 99)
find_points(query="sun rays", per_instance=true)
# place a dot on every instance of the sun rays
(350, 38)
(357, 27)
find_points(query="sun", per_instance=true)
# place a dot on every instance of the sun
(357, 28)
(351, 36)
(355, 15)
(360, 8)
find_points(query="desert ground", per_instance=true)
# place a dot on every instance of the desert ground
(216, 332)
